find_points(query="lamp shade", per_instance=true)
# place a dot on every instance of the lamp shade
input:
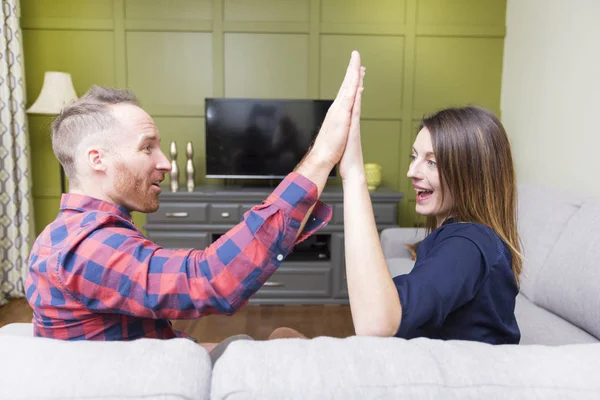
(57, 91)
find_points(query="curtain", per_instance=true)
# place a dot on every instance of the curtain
(16, 211)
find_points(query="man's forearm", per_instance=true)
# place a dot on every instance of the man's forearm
(316, 170)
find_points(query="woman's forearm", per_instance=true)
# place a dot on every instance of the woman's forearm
(374, 300)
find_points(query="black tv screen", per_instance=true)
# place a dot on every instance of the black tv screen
(260, 139)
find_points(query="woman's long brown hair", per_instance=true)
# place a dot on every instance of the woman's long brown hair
(475, 164)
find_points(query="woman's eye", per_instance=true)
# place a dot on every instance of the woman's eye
(412, 157)
(431, 163)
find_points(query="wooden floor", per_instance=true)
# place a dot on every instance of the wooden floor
(253, 320)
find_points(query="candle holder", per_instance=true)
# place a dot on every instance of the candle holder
(190, 171)
(174, 174)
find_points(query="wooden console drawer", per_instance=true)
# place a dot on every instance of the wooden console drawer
(338, 214)
(385, 213)
(180, 240)
(300, 282)
(224, 213)
(188, 213)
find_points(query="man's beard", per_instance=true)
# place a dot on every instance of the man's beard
(134, 192)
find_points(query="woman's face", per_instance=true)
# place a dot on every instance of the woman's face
(425, 179)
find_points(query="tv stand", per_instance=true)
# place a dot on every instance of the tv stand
(239, 183)
(314, 273)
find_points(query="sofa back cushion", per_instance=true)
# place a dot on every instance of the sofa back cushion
(41, 368)
(543, 214)
(569, 283)
(392, 368)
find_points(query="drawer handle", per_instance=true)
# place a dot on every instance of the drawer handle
(176, 215)
(225, 214)
(273, 284)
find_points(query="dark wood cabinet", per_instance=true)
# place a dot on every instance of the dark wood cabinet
(311, 274)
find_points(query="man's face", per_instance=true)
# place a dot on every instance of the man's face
(137, 164)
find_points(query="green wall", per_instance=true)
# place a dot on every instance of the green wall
(421, 55)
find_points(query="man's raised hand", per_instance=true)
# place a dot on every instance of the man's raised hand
(331, 140)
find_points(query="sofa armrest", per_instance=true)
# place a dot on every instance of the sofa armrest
(394, 239)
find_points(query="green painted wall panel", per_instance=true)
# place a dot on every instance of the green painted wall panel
(383, 56)
(167, 9)
(471, 72)
(266, 10)
(76, 9)
(88, 56)
(363, 11)
(44, 166)
(266, 65)
(170, 72)
(461, 12)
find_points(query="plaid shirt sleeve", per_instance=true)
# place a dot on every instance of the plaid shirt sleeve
(115, 269)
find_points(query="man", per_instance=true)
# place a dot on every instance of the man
(93, 275)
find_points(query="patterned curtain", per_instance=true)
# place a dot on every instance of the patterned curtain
(16, 211)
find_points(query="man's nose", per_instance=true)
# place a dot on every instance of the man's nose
(163, 163)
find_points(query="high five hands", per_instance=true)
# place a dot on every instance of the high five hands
(342, 124)
(351, 164)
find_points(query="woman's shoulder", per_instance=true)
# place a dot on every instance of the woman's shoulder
(481, 235)
(468, 239)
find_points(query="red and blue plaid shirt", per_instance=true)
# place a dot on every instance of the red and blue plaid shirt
(93, 275)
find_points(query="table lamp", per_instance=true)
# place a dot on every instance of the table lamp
(57, 91)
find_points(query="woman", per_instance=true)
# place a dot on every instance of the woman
(465, 279)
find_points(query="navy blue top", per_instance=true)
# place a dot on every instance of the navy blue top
(461, 287)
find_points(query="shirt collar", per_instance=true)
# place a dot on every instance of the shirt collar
(79, 202)
(450, 220)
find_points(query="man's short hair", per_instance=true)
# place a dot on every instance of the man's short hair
(89, 117)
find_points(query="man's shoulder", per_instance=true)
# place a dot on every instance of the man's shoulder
(84, 222)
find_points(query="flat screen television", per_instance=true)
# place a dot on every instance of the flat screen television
(258, 138)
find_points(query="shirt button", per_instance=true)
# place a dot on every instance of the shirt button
(280, 257)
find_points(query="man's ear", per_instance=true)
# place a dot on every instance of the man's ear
(96, 159)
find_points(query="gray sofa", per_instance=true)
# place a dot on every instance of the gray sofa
(558, 311)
